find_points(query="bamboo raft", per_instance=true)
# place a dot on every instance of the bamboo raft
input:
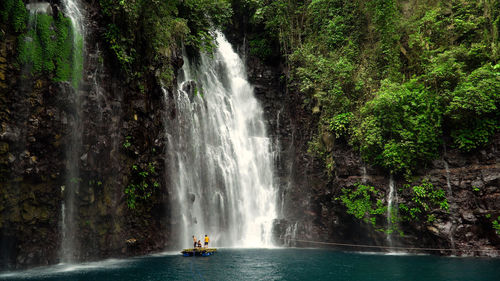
(203, 252)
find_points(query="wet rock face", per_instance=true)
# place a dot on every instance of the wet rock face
(473, 195)
(122, 128)
(37, 122)
(309, 212)
(30, 165)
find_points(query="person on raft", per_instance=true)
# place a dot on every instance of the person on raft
(206, 241)
(194, 242)
(199, 244)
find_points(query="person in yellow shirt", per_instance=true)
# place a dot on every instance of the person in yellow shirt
(206, 241)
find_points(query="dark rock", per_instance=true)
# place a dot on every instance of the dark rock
(10, 135)
(190, 88)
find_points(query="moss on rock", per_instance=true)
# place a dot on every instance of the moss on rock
(4, 147)
(48, 48)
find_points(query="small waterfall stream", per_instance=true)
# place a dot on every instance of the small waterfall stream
(450, 198)
(290, 238)
(390, 200)
(220, 159)
(448, 183)
(364, 176)
(68, 250)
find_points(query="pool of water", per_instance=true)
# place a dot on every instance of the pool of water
(272, 264)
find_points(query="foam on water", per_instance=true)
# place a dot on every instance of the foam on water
(273, 264)
(47, 271)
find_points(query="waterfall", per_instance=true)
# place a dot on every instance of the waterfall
(447, 169)
(290, 238)
(390, 200)
(364, 177)
(220, 159)
(450, 198)
(73, 11)
(69, 225)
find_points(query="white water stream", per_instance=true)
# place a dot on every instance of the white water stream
(220, 159)
(68, 249)
(450, 200)
(364, 175)
(390, 200)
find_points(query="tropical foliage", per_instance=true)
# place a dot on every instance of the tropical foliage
(145, 34)
(393, 78)
(424, 199)
(48, 47)
(364, 203)
(142, 184)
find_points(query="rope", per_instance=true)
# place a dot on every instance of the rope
(387, 247)
(192, 272)
(195, 269)
(199, 274)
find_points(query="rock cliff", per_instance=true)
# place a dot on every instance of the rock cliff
(310, 212)
(122, 134)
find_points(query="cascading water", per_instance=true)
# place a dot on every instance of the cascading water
(364, 176)
(448, 184)
(390, 200)
(447, 169)
(68, 209)
(290, 238)
(450, 198)
(220, 158)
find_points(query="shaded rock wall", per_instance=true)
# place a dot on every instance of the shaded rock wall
(30, 137)
(37, 117)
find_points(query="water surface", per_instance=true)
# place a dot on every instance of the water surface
(272, 264)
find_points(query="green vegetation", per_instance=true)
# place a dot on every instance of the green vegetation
(96, 183)
(400, 127)
(75, 180)
(385, 18)
(144, 35)
(77, 61)
(473, 107)
(47, 47)
(392, 78)
(127, 143)
(45, 44)
(142, 184)
(365, 204)
(14, 14)
(424, 199)
(496, 225)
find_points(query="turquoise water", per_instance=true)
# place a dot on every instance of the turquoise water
(272, 264)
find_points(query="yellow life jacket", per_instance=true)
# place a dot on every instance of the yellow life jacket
(206, 238)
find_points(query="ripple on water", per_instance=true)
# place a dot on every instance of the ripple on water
(271, 264)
